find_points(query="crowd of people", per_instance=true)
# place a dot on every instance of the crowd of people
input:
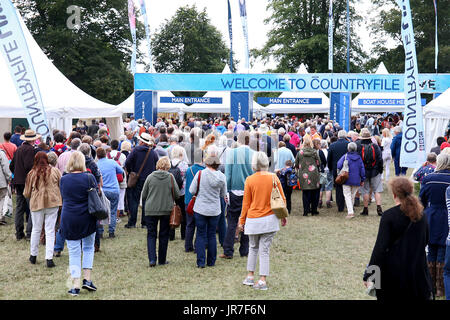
(229, 168)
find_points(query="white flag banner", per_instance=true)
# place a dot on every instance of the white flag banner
(412, 153)
(330, 37)
(14, 48)
(243, 14)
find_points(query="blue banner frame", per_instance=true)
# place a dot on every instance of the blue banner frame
(321, 82)
(146, 106)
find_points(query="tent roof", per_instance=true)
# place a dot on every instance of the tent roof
(300, 108)
(439, 107)
(128, 105)
(378, 95)
(60, 97)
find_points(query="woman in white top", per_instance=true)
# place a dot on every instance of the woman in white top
(387, 157)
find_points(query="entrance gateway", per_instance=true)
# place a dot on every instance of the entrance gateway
(242, 87)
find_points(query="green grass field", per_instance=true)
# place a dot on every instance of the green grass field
(321, 257)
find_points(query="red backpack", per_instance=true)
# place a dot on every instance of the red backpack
(368, 155)
(116, 159)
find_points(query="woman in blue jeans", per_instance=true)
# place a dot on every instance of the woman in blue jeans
(207, 210)
(77, 225)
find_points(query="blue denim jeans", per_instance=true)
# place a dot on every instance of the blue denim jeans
(133, 197)
(206, 239)
(163, 238)
(190, 232)
(76, 262)
(60, 240)
(113, 198)
(447, 272)
(436, 253)
(399, 170)
(222, 226)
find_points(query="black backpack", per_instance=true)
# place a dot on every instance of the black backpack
(176, 172)
(368, 155)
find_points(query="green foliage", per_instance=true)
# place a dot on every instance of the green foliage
(388, 26)
(189, 43)
(94, 56)
(300, 35)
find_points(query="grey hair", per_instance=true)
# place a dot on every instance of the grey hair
(443, 162)
(75, 143)
(323, 144)
(351, 147)
(286, 137)
(260, 162)
(398, 129)
(85, 149)
(177, 152)
(173, 138)
(342, 134)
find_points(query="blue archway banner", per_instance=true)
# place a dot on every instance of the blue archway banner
(321, 82)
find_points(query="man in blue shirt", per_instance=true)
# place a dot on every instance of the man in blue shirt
(15, 138)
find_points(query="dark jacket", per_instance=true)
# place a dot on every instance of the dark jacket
(356, 172)
(432, 195)
(291, 147)
(335, 152)
(378, 167)
(403, 265)
(396, 147)
(136, 158)
(22, 162)
(76, 221)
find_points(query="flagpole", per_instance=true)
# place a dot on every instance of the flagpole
(348, 37)
(436, 48)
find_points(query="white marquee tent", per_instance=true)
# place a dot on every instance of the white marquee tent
(436, 119)
(324, 107)
(128, 105)
(378, 97)
(62, 100)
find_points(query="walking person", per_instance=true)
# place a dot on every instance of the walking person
(190, 219)
(42, 190)
(207, 209)
(21, 165)
(307, 164)
(257, 219)
(395, 150)
(399, 250)
(135, 163)
(237, 168)
(5, 179)
(386, 142)
(159, 193)
(373, 165)
(356, 176)
(432, 194)
(78, 226)
(120, 158)
(326, 177)
(335, 152)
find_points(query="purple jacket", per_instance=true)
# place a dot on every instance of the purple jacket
(356, 172)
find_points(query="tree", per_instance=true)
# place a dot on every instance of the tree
(300, 35)
(96, 55)
(423, 16)
(189, 43)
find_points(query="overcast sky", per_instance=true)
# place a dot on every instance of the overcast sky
(160, 10)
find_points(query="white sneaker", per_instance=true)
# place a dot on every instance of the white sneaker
(261, 285)
(118, 220)
(249, 281)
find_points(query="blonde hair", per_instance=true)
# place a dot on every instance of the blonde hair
(307, 142)
(386, 133)
(77, 162)
(177, 152)
(163, 164)
(125, 146)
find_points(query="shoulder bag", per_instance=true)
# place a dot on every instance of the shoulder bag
(343, 173)
(134, 177)
(190, 207)
(96, 205)
(175, 214)
(277, 203)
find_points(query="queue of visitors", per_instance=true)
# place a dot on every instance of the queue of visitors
(221, 173)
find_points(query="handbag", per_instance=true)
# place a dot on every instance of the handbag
(7, 209)
(277, 203)
(96, 205)
(107, 204)
(175, 214)
(190, 207)
(343, 173)
(133, 178)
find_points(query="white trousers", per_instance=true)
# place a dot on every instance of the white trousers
(387, 168)
(121, 204)
(47, 216)
(259, 244)
(349, 196)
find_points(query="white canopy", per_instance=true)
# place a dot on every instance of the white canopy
(324, 107)
(378, 98)
(436, 119)
(62, 100)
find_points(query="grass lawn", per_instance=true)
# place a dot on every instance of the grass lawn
(321, 257)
